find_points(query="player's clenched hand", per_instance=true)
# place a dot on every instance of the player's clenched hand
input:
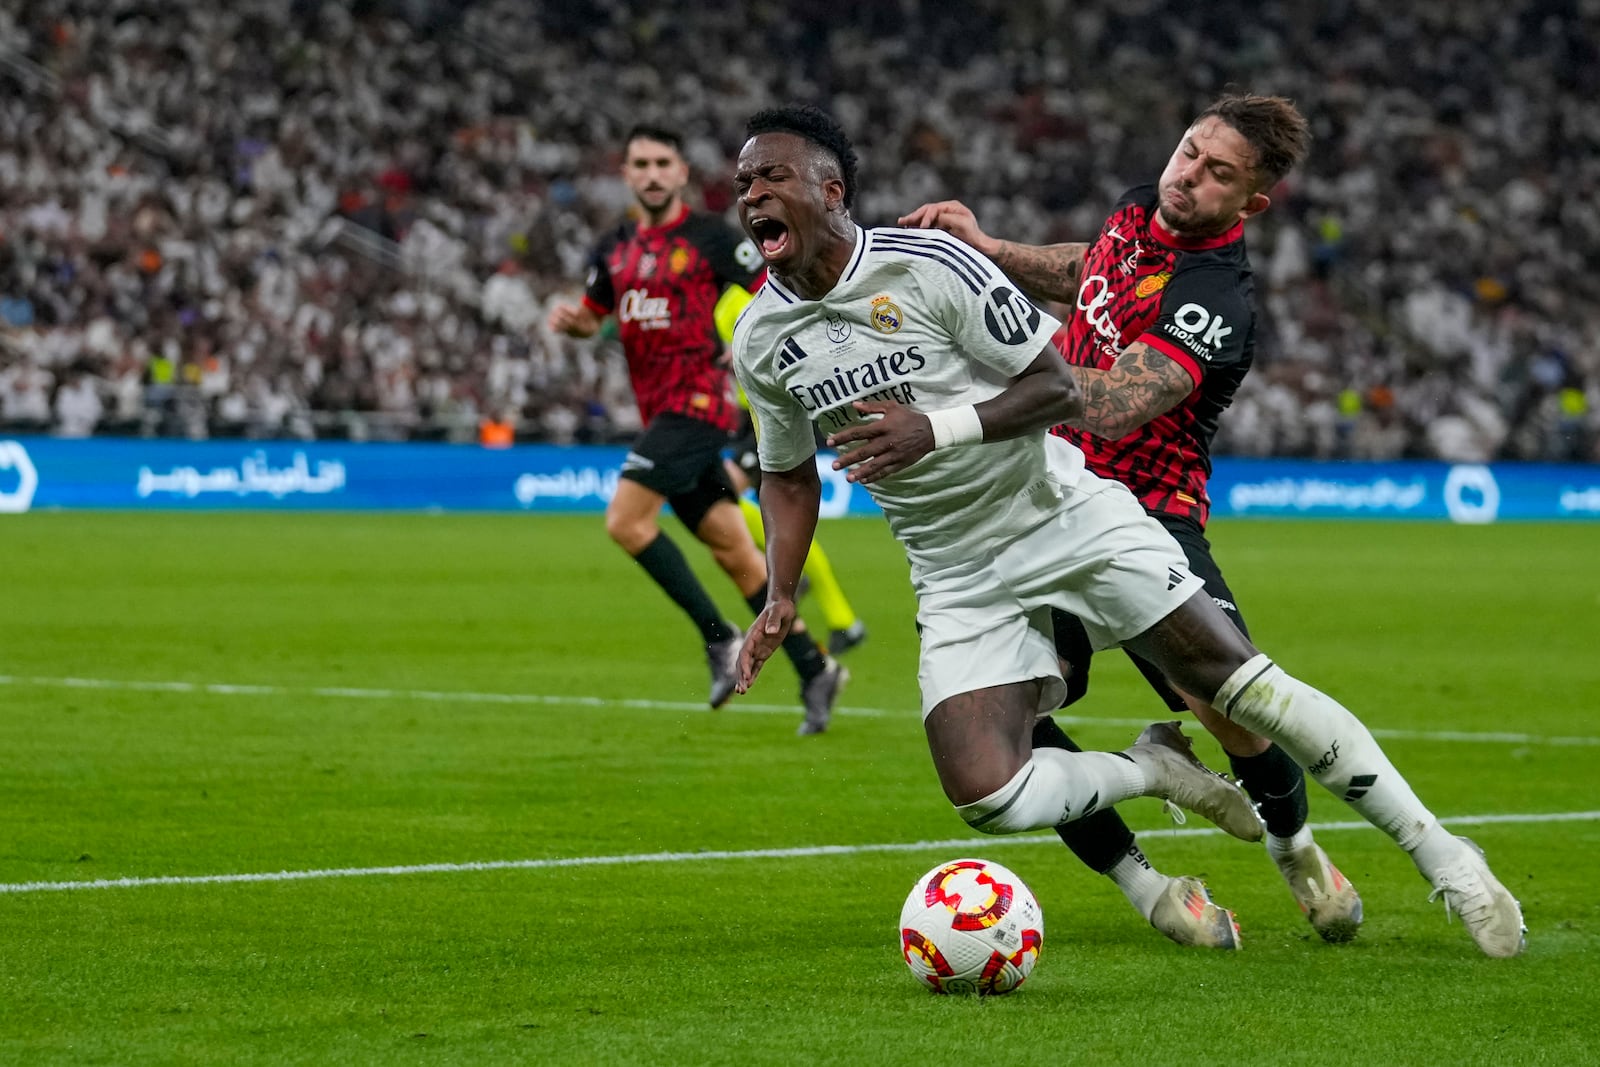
(562, 318)
(574, 320)
(953, 217)
(888, 444)
(763, 638)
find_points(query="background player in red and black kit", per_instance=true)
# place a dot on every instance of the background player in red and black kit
(662, 277)
(1161, 334)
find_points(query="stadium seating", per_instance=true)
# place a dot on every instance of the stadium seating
(315, 219)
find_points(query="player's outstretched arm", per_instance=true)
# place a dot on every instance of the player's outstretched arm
(1043, 395)
(574, 320)
(1046, 272)
(1143, 383)
(789, 503)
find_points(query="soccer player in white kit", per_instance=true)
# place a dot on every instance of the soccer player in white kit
(936, 381)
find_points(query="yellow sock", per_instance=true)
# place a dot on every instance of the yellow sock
(837, 614)
(752, 519)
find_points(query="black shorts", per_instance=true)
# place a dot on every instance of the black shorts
(1072, 643)
(742, 448)
(681, 458)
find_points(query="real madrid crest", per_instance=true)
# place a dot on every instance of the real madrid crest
(886, 317)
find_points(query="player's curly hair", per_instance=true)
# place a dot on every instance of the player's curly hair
(816, 126)
(1272, 125)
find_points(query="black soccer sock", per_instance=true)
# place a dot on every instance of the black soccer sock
(1100, 839)
(801, 650)
(1277, 785)
(662, 560)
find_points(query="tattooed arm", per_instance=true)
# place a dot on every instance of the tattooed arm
(1045, 272)
(1141, 384)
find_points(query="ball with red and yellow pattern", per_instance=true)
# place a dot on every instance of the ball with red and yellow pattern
(971, 926)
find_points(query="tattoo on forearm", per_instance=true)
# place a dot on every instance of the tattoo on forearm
(1142, 384)
(1049, 272)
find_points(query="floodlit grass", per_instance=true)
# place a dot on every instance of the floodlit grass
(459, 689)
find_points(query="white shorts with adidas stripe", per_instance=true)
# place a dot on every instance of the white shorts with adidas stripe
(1099, 556)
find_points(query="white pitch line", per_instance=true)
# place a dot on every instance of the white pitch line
(427, 695)
(556, 700)
(955, 844)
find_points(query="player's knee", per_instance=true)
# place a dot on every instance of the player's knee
(995, 809)
(631, 532)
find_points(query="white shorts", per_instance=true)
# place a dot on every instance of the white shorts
(1100, 557)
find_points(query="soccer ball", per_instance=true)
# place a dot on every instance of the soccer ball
(971, 926)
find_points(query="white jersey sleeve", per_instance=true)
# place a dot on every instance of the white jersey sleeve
(978, 306)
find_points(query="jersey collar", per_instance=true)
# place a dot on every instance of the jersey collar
(790, 296)
(1193, 244)
(855, 257)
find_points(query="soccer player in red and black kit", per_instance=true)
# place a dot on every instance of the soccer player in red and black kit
(1161, 334)
(662, 276)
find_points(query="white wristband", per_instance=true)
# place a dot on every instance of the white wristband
(955, 426)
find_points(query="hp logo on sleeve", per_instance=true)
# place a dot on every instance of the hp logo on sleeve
(1010, 317)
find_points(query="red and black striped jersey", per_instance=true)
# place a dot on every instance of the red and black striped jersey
(663, 283)
(1190, 299)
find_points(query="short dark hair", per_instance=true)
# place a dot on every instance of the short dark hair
(644, 131)
(1272, 125)
(814, 125)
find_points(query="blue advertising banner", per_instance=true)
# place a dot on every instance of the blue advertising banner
(47, 473)
(1464, 493)
(44, 473)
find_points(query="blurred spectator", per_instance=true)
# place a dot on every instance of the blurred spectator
(77, 404)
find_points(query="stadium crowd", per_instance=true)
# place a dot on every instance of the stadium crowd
(297, 218)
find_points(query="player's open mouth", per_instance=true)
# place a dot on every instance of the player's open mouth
(771, 235)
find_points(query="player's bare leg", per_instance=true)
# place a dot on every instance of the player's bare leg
(724, 532)
(631, 520)
(821, 678)
(845, 628)
(1204, 654)
(631, 516)
(982, 748)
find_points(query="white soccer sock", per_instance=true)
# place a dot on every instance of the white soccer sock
(1329, 742)
(1055, 786)
(1140, 883)
(1281, 847)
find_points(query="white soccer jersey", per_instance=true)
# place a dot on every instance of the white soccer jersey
(920, 318)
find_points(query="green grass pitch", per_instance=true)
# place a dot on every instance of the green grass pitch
(207, 695)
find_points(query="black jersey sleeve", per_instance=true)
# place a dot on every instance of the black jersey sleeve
(734, 259)
(598, 291)
(1206, 316)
